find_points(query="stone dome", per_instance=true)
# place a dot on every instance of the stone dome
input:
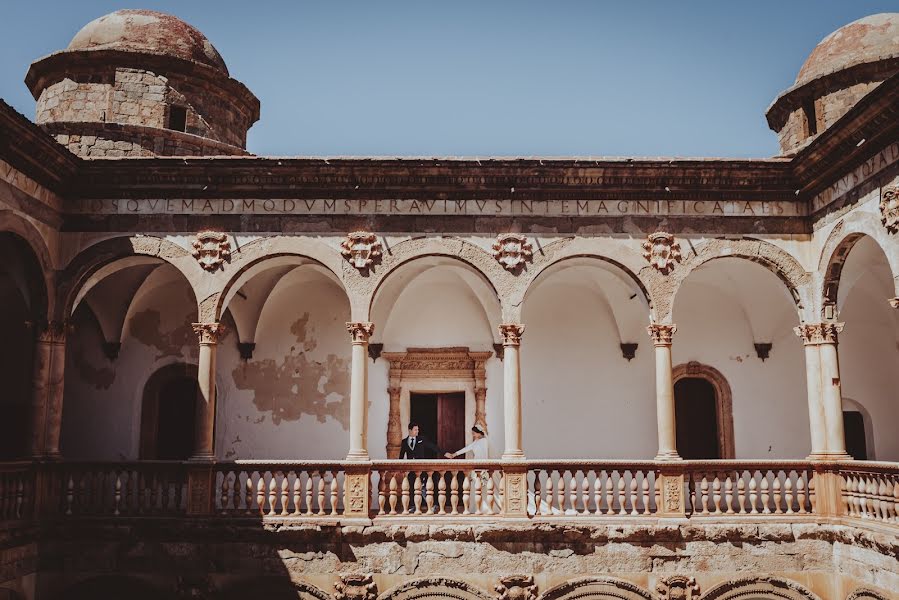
(870, 39)
(149, 32)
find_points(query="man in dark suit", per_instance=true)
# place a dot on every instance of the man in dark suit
(416, 447)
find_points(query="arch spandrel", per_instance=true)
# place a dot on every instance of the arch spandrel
(435, 587)
(596, 588)
(745, 588)
(784, 265)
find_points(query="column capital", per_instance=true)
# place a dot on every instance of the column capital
(208, 333)
(511, 333)
(50, 332)
(813, 334)
(360, 331)
(661, 334)
(894, 302)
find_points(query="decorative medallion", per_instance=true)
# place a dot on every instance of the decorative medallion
(516, 587)
(356, 587)
(362, 249)
(661, 251)
(889, 207)
(512, 250)
(211, 249)
(678, 587)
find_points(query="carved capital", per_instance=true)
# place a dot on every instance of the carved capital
(50, 332)
(894, 302)
(661, 251)
(208, 333)
(678, 587)
(360, 331)
(889, 207)
(356, 587)
(511, 333)
(211, 249)
(512, 250)
(661, 335)
(516, 587)
(361, 249)
(819, 333)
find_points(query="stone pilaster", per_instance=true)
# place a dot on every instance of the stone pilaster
(204, 441)
(48, 378)
(662, 337)
(512, 333)
(360, 332)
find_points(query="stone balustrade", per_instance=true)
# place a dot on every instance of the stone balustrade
(855, 491)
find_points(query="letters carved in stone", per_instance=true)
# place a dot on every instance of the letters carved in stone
(678, 587)
(889, 207)
(516, 587)
(512, 250)
(211, 249)
(661, 251)
(362, 249)
(356, 587)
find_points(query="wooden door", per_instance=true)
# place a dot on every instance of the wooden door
(696, 415)
(451, 421)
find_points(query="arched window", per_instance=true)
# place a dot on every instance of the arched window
(703, 412)
(168, 415)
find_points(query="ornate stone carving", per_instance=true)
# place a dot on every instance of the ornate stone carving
(662, 335)
(759, 587)
(516, 587)
(209, 333)
(894, 302)
(246, 349)
(374, 351)
(661, 251)
(50, 332)
(362, 249)
(211, 249)
(512, 250)
(356, 486)
(819, 333)
(889, 207)
(763, 351)
(678, 587)
(360, 331)
(672, 494)
(596, 587)
(629, 351)
(511, 333)
(356, 587)
(435, 587)
(865, 594)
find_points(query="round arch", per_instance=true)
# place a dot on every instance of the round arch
(596, 588)
(777, 260)
(866, 594)
(29, 234)
(774, 588)
(435, 587)
(724, 401)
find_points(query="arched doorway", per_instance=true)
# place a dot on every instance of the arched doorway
(703, 413)
(169, 414)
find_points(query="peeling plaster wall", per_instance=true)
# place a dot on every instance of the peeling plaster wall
(291, 400)
(102, 405)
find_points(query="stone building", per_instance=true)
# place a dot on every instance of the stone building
(685, 368)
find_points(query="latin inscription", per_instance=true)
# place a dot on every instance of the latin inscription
(506, 207)
(857, 176)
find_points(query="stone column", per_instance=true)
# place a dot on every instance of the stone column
(512, 333)
(360, 332)
(826, 409)
(661, 338)
(204, 440)
(47, 388)
(813, 389)
(394, 429)
(480, 392)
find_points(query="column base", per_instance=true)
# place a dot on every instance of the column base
(202, 458)
(829, 456)
(668, 456)
(513, 455)
(358, 455)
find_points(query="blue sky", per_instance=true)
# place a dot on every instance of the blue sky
(478, 78)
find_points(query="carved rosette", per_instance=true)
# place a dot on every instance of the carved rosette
(813, 334)
(662, 335)
(511, 333)
(360, 331)
(678, 587)
(889, 207)
(356, 587)
(208, 333)
(211, 249)
(512, 250)
(661, 251)
(516, 587)
(362, 249)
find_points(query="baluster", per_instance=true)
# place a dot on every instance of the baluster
(260, 494)
(128, 485)
(70, 495)
(741, 493)
(249, 492)
(479, 492)
(632, 496)
(224, 493)
(321, 492)
(297, 493)
(872, 499)
(889, 498)
(728, 494)
(619, 493)
(335, 493)
(309, 493)
(788, 493)
(466, 494)
(766, 509)
(609, 497)
(812, 498)
(117, 492)
(454, 492)
(573, 491)
(597, 492)
(285, 494)
(881, 497)
(645, 489)
(550, 496)
(657, 486)
(585, 492)
(896, 500)
(404, 493)
(704, 494)
(429, 492)
(776, 488)
(273, 494)
(560, 491)
(419, 500)
(382, 494)
(800, 492)
(490, 497)
(441, 493)
(716, 494)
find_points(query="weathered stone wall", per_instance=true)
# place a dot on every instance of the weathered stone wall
(113, 140)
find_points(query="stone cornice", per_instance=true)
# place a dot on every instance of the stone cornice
(27, 148)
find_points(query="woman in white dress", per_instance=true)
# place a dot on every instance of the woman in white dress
(480, 450)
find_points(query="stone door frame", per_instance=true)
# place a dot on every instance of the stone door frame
(429, 371)
(724, 401)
